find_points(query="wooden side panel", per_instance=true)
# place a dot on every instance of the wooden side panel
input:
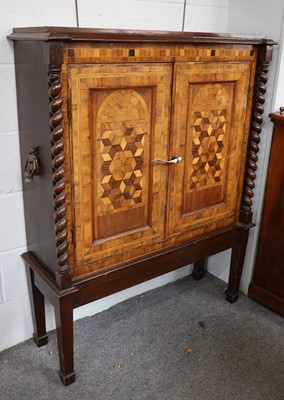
(268, 279)
(120, 122)
(209, 133)
(34, 131)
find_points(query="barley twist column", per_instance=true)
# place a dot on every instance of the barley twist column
(63, 276)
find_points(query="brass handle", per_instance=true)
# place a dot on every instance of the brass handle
(174, 160)
(32, 166)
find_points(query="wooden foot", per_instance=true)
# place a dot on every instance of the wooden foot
(236, 267)
(67, 379)
(38, 313)
(64, 328)
(232, 298)
(199, 269)
(41, 286)
(40, 340)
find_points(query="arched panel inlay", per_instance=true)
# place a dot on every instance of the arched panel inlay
(209, 130)
(122, 123)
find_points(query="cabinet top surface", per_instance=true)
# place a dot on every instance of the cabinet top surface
(52, 33)
(277, 117)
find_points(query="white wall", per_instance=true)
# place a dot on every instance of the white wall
(265, 18)
(201, 15)
(15, 317)
(278, 99)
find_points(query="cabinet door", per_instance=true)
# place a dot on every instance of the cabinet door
(209, 131)
(120, 122)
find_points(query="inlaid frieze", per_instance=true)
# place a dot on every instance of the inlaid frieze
(157, 53)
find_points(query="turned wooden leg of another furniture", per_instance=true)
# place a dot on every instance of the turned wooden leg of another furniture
(199, 269)
(64, 327)
(236, 267)
(38, 313)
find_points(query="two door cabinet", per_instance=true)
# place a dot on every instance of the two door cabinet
(139, 155)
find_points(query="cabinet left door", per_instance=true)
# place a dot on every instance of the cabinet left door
(119, 124)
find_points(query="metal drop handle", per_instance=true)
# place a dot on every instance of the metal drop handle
(174, 160)
(32, 166)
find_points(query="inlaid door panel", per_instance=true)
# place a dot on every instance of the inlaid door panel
(209, 131)
(120, 122)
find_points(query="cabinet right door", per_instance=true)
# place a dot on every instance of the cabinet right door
(210, 132)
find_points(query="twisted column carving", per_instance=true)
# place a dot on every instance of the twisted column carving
(258, 109)
(63, 276)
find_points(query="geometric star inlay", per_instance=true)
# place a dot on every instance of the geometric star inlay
(123, 131)
(207, 144)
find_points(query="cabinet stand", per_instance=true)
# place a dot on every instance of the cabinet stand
(93, 288)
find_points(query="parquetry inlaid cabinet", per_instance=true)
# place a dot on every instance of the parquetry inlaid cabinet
(139, 156)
